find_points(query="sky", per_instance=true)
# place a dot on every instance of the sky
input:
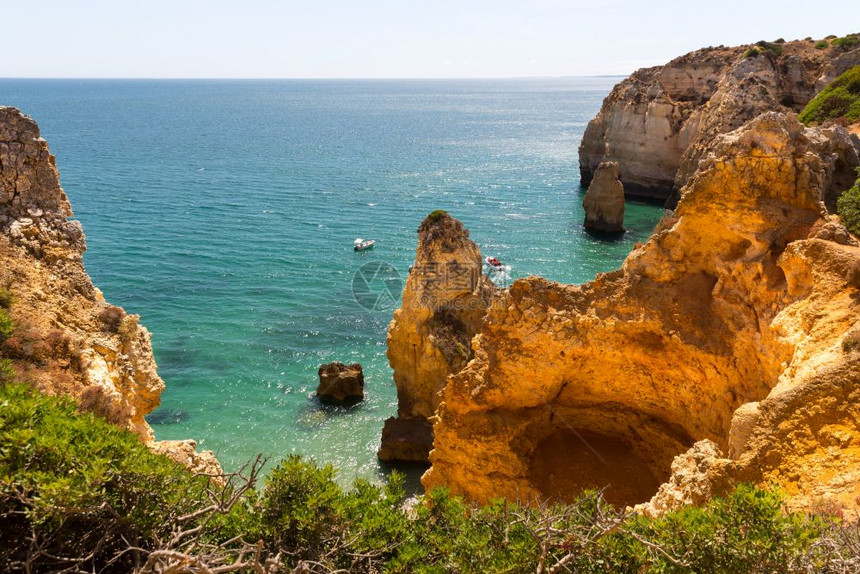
(387, 38)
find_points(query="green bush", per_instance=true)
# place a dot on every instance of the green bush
(840, 99)
(846, 42)
(774, 48)
(848, 207)
(6, 298)
(438, 214)
(73, 486)
(822, 44)
(6, 325)
(7, 372)
(752, 53)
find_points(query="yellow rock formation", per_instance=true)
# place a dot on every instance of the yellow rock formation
(723, 333)
(444, 300)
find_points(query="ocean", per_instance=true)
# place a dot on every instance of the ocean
(224, 212)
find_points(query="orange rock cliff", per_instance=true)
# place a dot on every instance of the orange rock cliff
(67, 338)
(726, 349)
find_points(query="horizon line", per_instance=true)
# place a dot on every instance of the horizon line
(311, 78)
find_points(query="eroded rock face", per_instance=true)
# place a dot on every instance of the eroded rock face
(444, 301)
(67, 339)
(340, 384)
(604, 200)
(731, 305)
(658, 123)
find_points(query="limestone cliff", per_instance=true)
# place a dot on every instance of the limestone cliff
(658, 123)
(444, 300)
(67, 338)
(726, 326)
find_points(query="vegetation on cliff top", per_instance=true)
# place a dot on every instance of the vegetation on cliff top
(77, 494)
(848, 206)
(840, 99)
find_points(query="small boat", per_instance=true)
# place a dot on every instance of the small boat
(494, 263)
(363, 245)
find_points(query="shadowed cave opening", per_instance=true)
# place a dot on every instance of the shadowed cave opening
(569, 461)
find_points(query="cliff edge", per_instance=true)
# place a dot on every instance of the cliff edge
(67, 339)
(658, 123)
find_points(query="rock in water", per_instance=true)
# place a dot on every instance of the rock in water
(341, 384)
(444, 302)
(604, 200)
(406, 439)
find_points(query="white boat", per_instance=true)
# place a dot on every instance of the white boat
(494, 263)
(363, 245)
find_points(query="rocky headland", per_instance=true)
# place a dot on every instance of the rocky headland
(724, 350)
(657, 123)
(715, 354)
(67, 339)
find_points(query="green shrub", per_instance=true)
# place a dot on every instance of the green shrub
(6, 325)
(841, 98)
(846, 42)
(822, 44)
(74, 486)
(774, 48)
(7, 371)
(438, 214)
(300, 505)
(6, 298)
(752, 53)
(848, 207)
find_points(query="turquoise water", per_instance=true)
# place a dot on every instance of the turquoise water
(223, 212)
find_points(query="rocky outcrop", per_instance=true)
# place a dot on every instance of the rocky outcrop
(444, 301)
(67, 339)
(658, 123)
(606, 383)
(604, 200)
(340, 384)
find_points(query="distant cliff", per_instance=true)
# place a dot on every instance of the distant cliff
(658, 123)
(67, 339)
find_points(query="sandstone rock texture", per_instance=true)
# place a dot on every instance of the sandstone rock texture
(340, 384)
(658, 123)
(67, 339)
(715, 354)
(444, 300)
(604, 200)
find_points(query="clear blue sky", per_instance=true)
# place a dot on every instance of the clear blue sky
(387, 38)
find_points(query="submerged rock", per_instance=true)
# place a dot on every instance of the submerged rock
(604, 200)
(340, 384)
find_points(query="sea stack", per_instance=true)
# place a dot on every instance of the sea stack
(444, 301)
(604, 200)
(340, 384)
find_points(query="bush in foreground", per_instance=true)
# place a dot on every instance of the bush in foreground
(79, 495)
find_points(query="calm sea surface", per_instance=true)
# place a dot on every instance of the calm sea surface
(223, 212)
